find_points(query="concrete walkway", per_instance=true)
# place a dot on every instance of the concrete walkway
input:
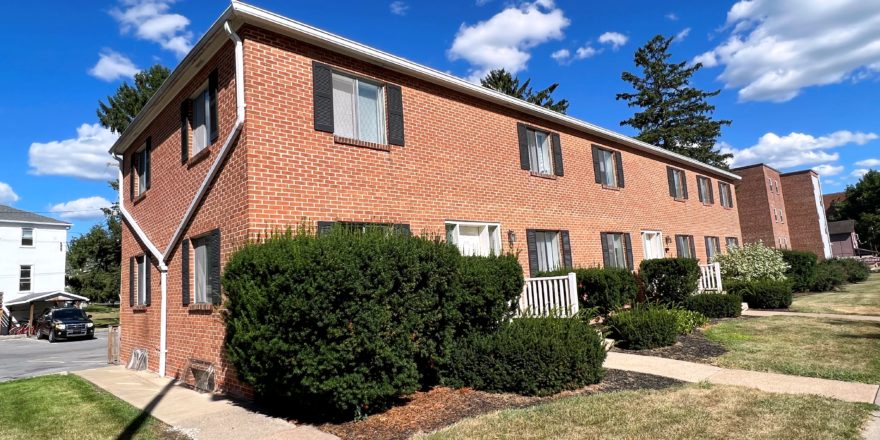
(772, 382)
(198, 415)
(812, 315)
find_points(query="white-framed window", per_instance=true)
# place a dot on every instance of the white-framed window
(685, 246)
(201, 120)
(652, 243)
(540, 151)
(726, 194)
(358, 109)
(24, 278)
(142, 167)
(615, 250)
(704, 185)
(27, 237)
(548, 250)
(678, 184)
(200, 270)
(713, 247)
(732, 242)
(608, 168)
(475, 238)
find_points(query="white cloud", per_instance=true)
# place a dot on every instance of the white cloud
(797, 149)
(564, 56)
(82, 209)
(671, 16)
(7, 195)
(86, 156)
(615, 39)
(828, 170)
(679, 37)
(561, 55)
(398, 7)
(150, 20)
(868, 163)
(778, 47)
(586, 52)
(504, 41)
(859, 172)
(112, 66)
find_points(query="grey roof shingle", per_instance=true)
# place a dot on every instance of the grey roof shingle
(842, 227)
(10, 214)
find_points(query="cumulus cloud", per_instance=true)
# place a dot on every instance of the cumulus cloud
(505, 40)
(150, 20)
(679, 37)
(776, 48)
(615, 39)
(868, 163)
(85, 156)
(112, 66)
(561, 55)
(797, 149)
(7, 195)
(398, 7)
(565, 57)
(828, 169)
(81, 209)
(859, 172)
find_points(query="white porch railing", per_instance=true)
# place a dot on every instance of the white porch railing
(546, 295)
(710, 278)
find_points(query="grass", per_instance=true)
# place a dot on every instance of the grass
(854, 299)
(694, 411)
(69, 407)
(103, 315)
(803, 346)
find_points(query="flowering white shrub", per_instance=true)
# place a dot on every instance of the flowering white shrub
(752, 262)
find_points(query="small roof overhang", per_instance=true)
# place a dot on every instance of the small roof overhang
(56, 295)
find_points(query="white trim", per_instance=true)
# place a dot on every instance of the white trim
(19, 222)
(72, 296)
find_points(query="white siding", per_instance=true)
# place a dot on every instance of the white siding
(47, 258)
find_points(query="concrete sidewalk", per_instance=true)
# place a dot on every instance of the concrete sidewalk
(772, 382)
(201, 416)
(812, 315)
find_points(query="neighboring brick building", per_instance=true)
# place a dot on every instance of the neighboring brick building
(335, 131)
(806, 213)
(830, 199)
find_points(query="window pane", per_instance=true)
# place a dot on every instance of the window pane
(610, 173)
(200, 116)
(450, 233)
(469, 240)
(142, 281)
(494, 241)
(27, 237)
(679, 189)
(543, 144)
(200, 278)
(343, 106)
(369, 113)
(533, 151)
(548, 250)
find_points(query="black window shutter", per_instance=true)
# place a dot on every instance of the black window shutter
(629, 251)
(684, 184)
(214, 265)
(324, 227)
(212, 97)
(184, 130)
(147, 276)
(532, 247)
(184, 271)
(402, 228)
(597, 167)
(558, 169)
(322, 91)
(606, 255)
(693, 246)
(566, 249)
(618, 160)
(148, 159)
(395, 114)
(670, 177)
(132, 264)
(522, 134)
(678, 249)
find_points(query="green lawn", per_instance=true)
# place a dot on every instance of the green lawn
(68, 407)
(854, 299)
(803, 346)
(689, 412)
(103, 315)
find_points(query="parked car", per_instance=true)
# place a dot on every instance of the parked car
(65, 323)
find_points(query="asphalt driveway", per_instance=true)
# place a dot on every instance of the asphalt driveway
(29, 357)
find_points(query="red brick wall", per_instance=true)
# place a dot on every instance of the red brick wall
(757, 202)
(804, 222)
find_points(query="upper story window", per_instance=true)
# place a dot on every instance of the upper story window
(704, 185)
(616, 250)
(684, 245)
(677, 183)
(141, 166)
(201, 121)
(27, 237)
(24, 278)
(471, 238)
(358, 109)
(608, 167)
(202, 105)
(726, 194)
(732, 242)
(539, 151)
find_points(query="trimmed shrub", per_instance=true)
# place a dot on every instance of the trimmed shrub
(801, 269)
(670, 280)
(603, 289)
(856, 271)
(490, 291)
(686, 321)
(762, 294)
(715, 305)
(829, 276)
(754, 261)
(644, 327)
(529, 356)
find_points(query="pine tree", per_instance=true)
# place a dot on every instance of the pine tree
(503, 81)
(675, 115)
(123, 106)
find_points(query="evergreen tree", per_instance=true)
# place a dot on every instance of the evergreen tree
(503, 81)
(862, 204)
(122, 107)
(675, 115)
(93, 259)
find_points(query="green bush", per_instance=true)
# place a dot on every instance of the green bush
(686, 321)
(530, 356)
(762, 294)
(670, 280)
(603, 289)
(490, 291)
(715, 305)
(829, 276)
(801, 269)
(754, 261)
(856, 271)
(644, 327)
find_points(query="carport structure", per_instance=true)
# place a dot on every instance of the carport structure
(24, 307)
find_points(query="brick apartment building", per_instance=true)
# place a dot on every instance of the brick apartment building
(784, 210)
(268, 123)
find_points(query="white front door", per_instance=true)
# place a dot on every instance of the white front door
(469, 240)
(652, 243)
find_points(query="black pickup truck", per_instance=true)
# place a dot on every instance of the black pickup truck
(65, 323)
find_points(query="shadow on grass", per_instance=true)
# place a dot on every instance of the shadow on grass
(135, 425)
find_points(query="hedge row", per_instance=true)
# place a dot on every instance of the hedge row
(762, 294)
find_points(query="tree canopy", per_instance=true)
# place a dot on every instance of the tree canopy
(93, 259)
(124, 105)
(503, 81)
(862, 204)
(674, 115)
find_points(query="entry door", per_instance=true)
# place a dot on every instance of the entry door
(652, 243)
(469, 240)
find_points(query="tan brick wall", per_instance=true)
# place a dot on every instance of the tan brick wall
(757, 202)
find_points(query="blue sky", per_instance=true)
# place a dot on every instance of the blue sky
(798, 77)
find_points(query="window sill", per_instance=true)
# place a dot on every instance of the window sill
(198, 157)
(611, 188)
(543, 176)
(708, 205)
(359, 143)
(679, 199)
(140, 308)
(201, 308)
(138, 198)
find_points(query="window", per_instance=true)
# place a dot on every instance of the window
(606, 167)
(726, 194)
(615, 249)
(732, 242)
(548, 254)
(713, 247)
(27, 236)
(781, 216)
(539, 151)
(200, 275)
(652, 242)
(201, 121)
(684, 245)
(482, 239)
(142, 274)
(24, 278)
(142, 167)
(705, 187)
(677, 183)
(358, 109)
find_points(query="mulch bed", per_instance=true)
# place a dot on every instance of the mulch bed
(439, 407)
(694, 347)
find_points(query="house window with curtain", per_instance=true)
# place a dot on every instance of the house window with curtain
(200, 272)
(652, 242)
(615, 249)
(540, 154)
(141, 276)
(27, 237)
(726, 195)
(713, 247)
(677, 183)
(24, 279)
(201, 103)
(548, 250)
(141, 160)
(732, 242)
(684, 245)
(704, 185)
(472, 238)
(607, 167)
(358, 109)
